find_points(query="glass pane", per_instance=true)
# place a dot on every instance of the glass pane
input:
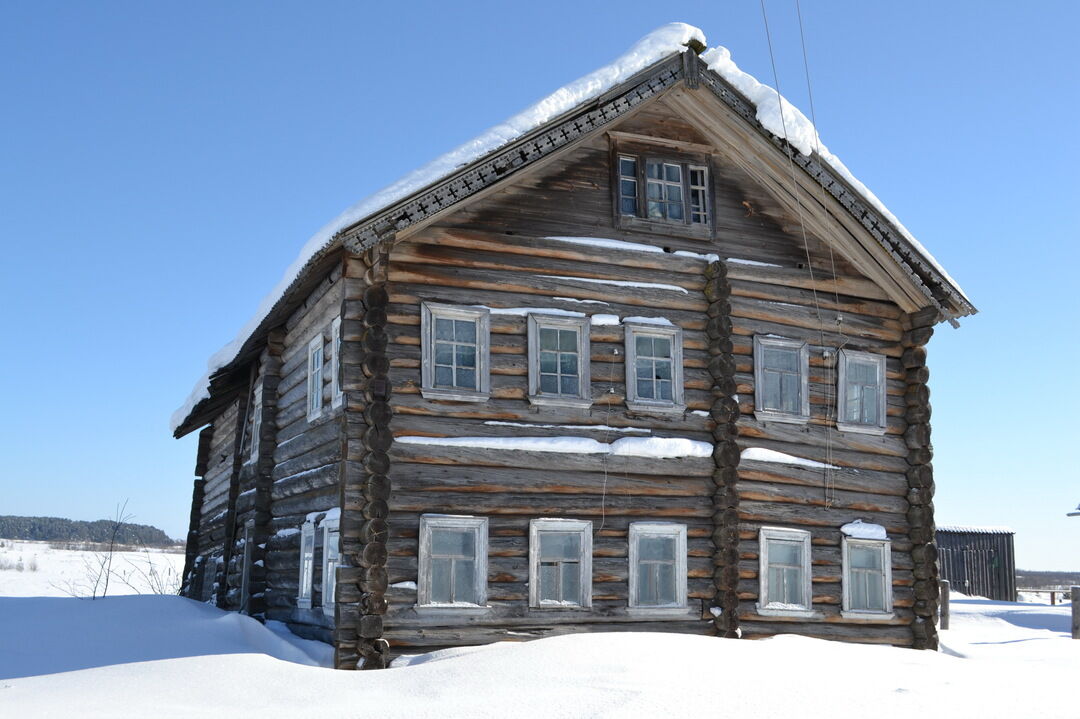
(662, 368)
(782, 359)
(568, 363)
(646, 588)
(444, 377)
(464, 331)
(656, 210)
(628, 166)
(870, 406)
(549, 339)
(665, 583)
(444, 353)
(465, 581)
(444, 329)
(560, 545)
(661, 347)
(628, 188)
(549, 384)
(784, 552)
(793, 588)
(862, 372)
(663, 389)
(440, 580)
(652, 169)
(571, 582)
(672, 173)
(654, 191)
(453, 542)
(771, 391)
(568, 340)
(852, 403)
(697, 177)
(875, 598)
(628, 206)
(466, 355)
(656, 547)
(645, 389)
(675, 212)
(466, 378)
(549, 362)
(643, 346)
(568, 385)
(789, 393)
(548, 575)
(674, 193)
(864, 557)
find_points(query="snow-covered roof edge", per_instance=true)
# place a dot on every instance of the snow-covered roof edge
(663, 42)
(974, 530)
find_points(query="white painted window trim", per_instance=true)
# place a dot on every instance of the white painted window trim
(884, 546)
(786, 535)
(665, 529)
(336, 393)
(307, 565)
(256, 423)
(331, 550)
(582, 527)
(581, 325)
(429, 311)
(315, 362)
(772, 415)
(633, 402)
(245, 569)
(479, 526)
(841, 392)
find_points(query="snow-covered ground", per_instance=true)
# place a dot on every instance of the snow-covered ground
(171, 657)
(41, 569)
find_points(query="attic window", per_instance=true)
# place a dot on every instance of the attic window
(666, 190)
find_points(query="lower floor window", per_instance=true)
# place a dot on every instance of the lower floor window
(453, 561)
(330, 561)
(657, 565)
(307, 564)
(560, 572)
(784, 570)
(867, 576)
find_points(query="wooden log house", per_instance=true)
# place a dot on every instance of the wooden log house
(647, 367)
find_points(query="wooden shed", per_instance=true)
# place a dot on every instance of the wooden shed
(632, 361)
(978, 561)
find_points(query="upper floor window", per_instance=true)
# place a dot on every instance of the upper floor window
(781, 379)
(315, 377)
(453, 561)
(663, 190)
(256, 422)
(784, 571)
(335, 363)
(654, 367)
(657, 565)
(455, 351)
(559, 360)
(560, 563)
(861, 392)
(867, 577)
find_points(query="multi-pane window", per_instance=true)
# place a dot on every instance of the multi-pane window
(653, 366)
(455, 352)
(335, 363)
(663, 190)
(657, 565)
(307, 564)
(784, 574)
(453, 561)
(861, 392)
(867, 576)
(256, 422)
(781, 379)
(560, 572)
(559, 360)
(315, 377)
(330, 560)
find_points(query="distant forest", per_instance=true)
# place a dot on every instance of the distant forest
(1031, 579)
(55, 529)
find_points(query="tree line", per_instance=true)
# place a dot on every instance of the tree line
(57, 529)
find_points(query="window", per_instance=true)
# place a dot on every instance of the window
(455, 352)
(315, 377)
(653, 367)
(657, 565)
(781, 379)
(861, 392)
(256, 422)
(784, 575)
(331, 555)
(867, 578)
(559, 360)
(453, 561)
(335, 363)
(245, 571)
(663, 190)
(560, 563)
(307, 564)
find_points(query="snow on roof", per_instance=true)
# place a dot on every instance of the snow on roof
(657, 45)
(974, 530)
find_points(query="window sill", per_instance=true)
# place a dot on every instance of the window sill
(779, 612)
(560, 608)
(455, 610)
(454, 395)
(764, 415)
(868, 617)
(683, 612)
(649, 408)
(661, 227)
(575, 402)
(860, 428)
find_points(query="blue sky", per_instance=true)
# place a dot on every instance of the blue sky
(162, 163)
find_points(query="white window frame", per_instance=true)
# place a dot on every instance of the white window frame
(256, 422)
(663, 529)
(331, 560)
(774, 415)
(674, 334)
(307, 565)
(429, 312)
(336, 393)
(583, 397)
(583, 528)
(775, 608)
(479, 526)
(841, 392)
(315, 363)
(884, 546)
(245, 567)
